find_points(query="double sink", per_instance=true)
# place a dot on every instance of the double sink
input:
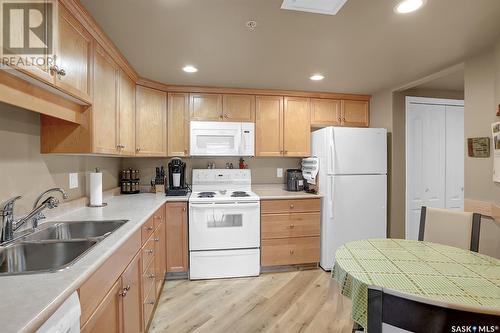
(53, 247)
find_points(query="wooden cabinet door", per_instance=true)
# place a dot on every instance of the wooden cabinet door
(178, 124)
(238, 107)
(325, 112)
(131, 295)
(107, 318)
(206, 107)
(355, 113)
(269, 126)
(177, 237)
(74, 57)
(160, 257)
(296, 127)
(151, 122)
(104, 108)
(126, 115)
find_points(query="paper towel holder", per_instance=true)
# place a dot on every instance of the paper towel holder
(104, 204)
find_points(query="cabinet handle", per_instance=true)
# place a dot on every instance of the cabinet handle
(221, 117)
(292, 226)
(53, 69)
(124, 291)
(281, 152)
(157, 217)
(343, 119)
(61, 72)
(151, 302)
(184, 209)
(185, 152)
(149, 228)
(292, 206)
(156, 239)
(138, 149)
(292, 252)
(226, 116)
(149, 251)
(286, 152)
(151, 276)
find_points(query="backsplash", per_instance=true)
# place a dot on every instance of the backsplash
(28, 173)
(263, 169)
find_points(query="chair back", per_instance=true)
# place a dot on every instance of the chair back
(449, 227)
(390, 311)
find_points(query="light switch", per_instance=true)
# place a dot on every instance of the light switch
(279, 172)
(73, 180)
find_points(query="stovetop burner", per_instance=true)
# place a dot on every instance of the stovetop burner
(206, 194)
(239, 194)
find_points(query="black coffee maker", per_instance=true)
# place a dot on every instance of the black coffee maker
(176, 178)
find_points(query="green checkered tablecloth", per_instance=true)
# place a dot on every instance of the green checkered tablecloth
(429, 270)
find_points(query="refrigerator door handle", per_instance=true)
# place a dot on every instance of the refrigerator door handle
(330, 197)
(331, 158)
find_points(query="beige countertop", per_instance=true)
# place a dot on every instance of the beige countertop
(29, 300)
(277, 192)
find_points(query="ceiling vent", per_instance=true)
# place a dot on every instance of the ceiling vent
(328, 7)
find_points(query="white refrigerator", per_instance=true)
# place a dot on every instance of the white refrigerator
(353, 184)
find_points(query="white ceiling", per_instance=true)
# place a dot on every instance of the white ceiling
(453, 81)
(366, 47)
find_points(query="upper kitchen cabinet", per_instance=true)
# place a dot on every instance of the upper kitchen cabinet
(206, 107)
(178, 124)
(282, 126)
(355, 113)
(104, 109)
(151, 122)
(296, 127)
(72, 72)
(269, 126)
(325, 112)
(238, 107)
(126, 115)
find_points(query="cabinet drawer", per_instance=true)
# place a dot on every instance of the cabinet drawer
(148, 307)
(147, 229)
(148, 253)
(290, 206)
(290, 225)
(159, 217)
(290, 251)
(148, 282)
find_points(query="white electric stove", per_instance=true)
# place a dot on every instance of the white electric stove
(224, 225)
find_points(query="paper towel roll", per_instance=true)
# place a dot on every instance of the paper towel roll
(96, 188)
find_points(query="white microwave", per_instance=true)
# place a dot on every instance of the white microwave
(212, 138)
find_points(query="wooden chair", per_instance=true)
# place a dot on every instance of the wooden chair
(449, 227)
(390, 311)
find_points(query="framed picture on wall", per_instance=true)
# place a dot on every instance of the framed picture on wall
(479, 147)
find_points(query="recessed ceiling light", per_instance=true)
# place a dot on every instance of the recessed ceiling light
(408, 6)
(317, 77)
(190, 69)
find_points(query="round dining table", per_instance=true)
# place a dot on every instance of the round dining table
(429, 270)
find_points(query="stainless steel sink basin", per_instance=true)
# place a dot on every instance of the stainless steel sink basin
(36, 257)
(75, 230)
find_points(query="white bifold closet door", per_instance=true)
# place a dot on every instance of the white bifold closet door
(434, 160)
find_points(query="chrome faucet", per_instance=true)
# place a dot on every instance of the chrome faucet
(9, 224)
(52, 204)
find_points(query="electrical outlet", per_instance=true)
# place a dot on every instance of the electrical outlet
(73, 180)
(279, 172)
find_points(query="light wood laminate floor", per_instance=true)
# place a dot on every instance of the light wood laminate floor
(299, 301)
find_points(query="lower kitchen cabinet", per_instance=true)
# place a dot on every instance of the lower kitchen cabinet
(290, 231)
(120, 311)
(131, 296)
(107, 318)
(177, 237)
(122, 294)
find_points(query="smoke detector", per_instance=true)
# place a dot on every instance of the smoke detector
(251, 25)
(328, 7)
